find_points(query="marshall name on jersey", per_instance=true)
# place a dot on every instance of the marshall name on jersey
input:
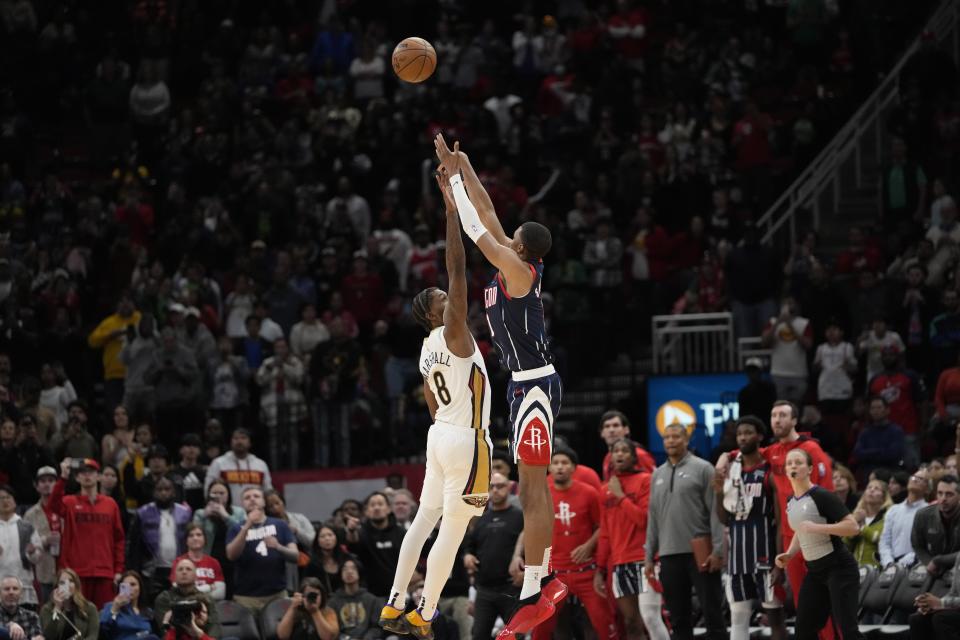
(460, 385)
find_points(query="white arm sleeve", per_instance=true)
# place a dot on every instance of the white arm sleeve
(469, 218)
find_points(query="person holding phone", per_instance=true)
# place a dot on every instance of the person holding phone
(125, 618)
(68, 615)
(93, 539)
(308, 615)
(820, 522)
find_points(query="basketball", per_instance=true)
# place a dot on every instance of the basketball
(414, 60)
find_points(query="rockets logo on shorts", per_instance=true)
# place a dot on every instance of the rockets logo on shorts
(533, 433)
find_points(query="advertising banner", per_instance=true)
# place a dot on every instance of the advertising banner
(702, 403)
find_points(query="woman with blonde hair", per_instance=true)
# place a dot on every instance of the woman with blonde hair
(845, 486)
(869, 514)
(68, 614)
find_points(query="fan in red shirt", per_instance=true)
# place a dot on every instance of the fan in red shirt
(208, 570)
(92, 542)
(900, 388)
(783, 424)
(624, 504)
(614, 426)
(576, 508)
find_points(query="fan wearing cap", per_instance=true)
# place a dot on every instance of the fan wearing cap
(92, 539)
(46, 523)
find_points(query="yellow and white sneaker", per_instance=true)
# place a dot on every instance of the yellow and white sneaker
(391, 619)
(417, 626)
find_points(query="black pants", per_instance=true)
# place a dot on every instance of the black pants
(832, 591)
(939, 625)
(489, 605)
(679, 575)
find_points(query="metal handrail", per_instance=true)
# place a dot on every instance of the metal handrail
(824, 171)
(703, 341)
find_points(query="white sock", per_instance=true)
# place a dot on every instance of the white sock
(651, 612)
(531, 581)
(440, 561)
(740, 613)
(545, 567)
(413, 541)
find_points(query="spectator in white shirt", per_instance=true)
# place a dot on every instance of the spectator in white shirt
(895, 543)
(873, 342)
(20, 545)
(56, 394)
(789, 336)
(836, 362)
(367, 72)
(307, 334)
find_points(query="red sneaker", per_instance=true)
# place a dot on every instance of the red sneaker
(529, 613)
(552, 588)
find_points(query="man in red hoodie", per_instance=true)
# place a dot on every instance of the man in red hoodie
(576, 529)
(783, 423)
(92, 539)
(613, 426)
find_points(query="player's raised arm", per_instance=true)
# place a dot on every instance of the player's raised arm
(517, 273)
(481, 200)
(455, 330)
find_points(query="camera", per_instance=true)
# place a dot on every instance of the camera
(311, 597)
(183, 612)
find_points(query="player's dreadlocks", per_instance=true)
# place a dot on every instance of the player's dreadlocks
(421, 307)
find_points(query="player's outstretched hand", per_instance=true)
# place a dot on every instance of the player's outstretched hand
(449, 159)
(443, 181)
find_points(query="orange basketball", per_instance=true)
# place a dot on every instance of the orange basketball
(414, 60)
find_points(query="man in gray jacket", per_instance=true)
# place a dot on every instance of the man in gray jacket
(681, 515)
(936, 529)
(938, 618)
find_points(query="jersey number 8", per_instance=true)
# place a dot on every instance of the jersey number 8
(443, 394)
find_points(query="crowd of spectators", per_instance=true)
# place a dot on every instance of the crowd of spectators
(213, 216)
(230, 206)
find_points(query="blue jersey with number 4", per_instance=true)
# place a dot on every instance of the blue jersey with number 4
(516, 323)
(260, 570)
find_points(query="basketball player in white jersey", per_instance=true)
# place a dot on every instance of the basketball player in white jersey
(457, 479)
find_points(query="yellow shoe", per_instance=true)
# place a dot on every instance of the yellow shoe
(417, 626)
(391, 619)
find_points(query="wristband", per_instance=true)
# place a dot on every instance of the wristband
(469, 218)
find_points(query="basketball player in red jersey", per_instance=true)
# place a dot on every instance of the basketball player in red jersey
(613, 426)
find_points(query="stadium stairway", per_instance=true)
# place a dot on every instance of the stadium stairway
(618, 385)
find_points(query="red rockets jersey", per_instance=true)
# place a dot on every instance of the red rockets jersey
(645, 462)
(93, 538)
(576, 515)
(584, 474)
(623, 521)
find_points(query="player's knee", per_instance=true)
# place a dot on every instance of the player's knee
(430, 515)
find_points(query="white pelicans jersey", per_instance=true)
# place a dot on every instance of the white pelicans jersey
(460, 385)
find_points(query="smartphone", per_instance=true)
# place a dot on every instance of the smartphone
(125, 589)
